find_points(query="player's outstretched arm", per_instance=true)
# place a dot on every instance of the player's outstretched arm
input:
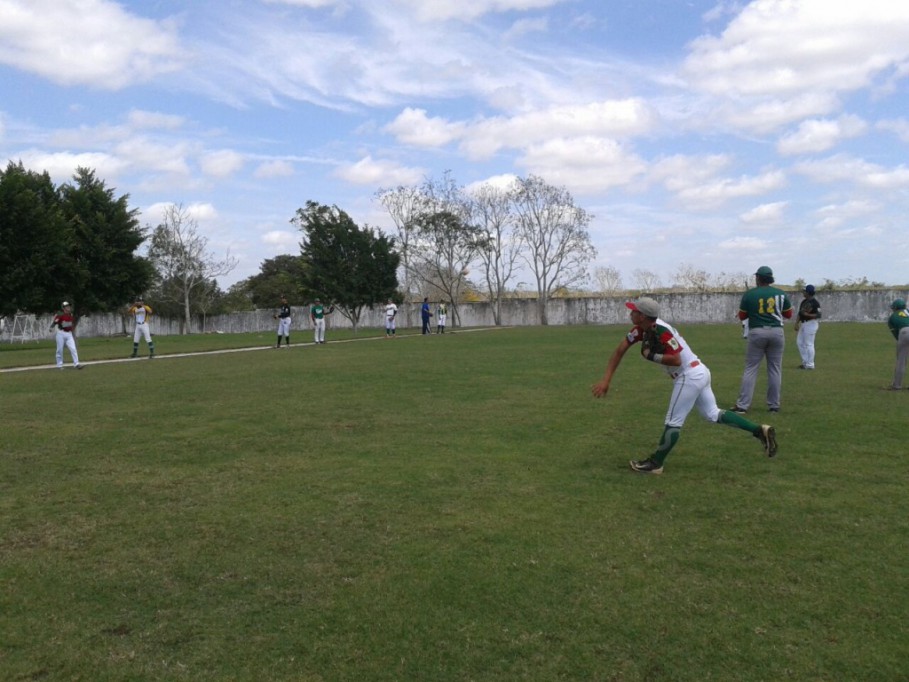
(601, 388)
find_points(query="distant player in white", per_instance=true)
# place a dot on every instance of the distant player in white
(441, 317)
(142, 312)
(391, 312)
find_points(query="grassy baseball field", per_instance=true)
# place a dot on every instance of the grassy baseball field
(454, 507)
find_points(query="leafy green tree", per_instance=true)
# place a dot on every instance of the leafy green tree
(349, 266)
(34, 243)
(104, 271)
(281, 275)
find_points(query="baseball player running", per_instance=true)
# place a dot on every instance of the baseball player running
(391, 311)
(141, 313)
(283, 318)
(66, 325)
(663, 345)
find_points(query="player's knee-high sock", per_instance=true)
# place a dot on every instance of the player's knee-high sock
(151, 347)
(278, 342)
(738, 421)
(135, 347)
(667, 442)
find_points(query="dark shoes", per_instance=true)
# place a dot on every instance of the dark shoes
(739, 410)
(767, 436)
(646, 466)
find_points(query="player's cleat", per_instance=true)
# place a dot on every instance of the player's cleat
(739, 410)
(646, 466)
(767, 436)
(774, 409)
(79, 366)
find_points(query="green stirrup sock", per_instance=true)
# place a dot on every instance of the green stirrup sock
(737, 420)
(667, 442)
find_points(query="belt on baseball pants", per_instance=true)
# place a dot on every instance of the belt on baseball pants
(693, 363)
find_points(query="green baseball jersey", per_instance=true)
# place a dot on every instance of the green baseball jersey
(898, 320)
(765, 306)
(317, 311)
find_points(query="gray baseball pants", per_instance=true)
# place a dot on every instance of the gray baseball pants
(763, 342)
(902, 355)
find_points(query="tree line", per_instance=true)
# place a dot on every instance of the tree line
(80, 242)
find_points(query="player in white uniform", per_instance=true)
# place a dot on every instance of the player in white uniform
(284, 318)
(441, 317)
(691, 388)
(391, 312)
(66, 325)
(141, 313)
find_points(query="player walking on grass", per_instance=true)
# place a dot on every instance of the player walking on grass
(662, 344)
(141, 313)
(764, 307)
(317, 314)
(391, 312)
(898, 323)
(66, 325)
(283, 318)
(441, 317)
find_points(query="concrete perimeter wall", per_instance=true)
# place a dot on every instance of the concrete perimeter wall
(678, 308)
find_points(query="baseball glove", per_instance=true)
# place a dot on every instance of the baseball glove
(651, 345)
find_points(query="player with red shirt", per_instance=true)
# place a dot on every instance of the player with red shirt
(662, 344)
(66, 325)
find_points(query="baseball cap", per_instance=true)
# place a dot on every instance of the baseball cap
(646, 306)
(898, 304)
(809, 289)
(764, 271)
(65, 303)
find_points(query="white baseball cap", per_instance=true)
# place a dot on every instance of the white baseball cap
(65, 303)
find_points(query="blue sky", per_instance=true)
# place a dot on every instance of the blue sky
(718, 136)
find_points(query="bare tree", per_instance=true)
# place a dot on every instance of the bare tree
(404, 204)
(555, 233)
(646, 280)
(182, 261)
(690, 278)
(608, 278)
(491, 210)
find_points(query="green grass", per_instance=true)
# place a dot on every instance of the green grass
(448, 508)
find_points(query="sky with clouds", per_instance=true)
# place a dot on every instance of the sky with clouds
(711, 135)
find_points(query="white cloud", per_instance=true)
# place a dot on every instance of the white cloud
(143, 120)
(198, 211)
(743, 245)
(62, 166)
(764, 214)
(524, 26)
(818, 135)
(767, 116)
(613, 118)
(281, 241)
(414, 127)
(465, 10)
(781, 47)
(90, 42)
(368, 171)
(899, 127)
(584, 164)
(274, 169)
(716, 192)
(835, 215)
(681, 172)
(222, 163)
(844, 168)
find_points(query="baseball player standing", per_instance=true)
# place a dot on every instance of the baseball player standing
(809, 319)
(66, 325)
(391, 311)
(283, 318)
(141, 313)
(764, 307)
(441, 317)
(317, 314)
(662, 344)
(898, 323)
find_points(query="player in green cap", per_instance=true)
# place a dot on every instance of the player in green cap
(898, 322)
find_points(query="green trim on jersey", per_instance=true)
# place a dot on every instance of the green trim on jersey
(317, 311)
(765, 306)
